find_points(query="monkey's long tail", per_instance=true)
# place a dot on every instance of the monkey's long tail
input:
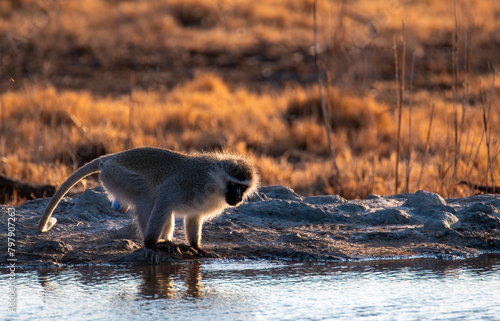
(82, 172)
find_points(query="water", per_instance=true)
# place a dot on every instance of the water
(416, 289)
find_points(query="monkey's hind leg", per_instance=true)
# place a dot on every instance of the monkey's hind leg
(130, 189)
(160, 223)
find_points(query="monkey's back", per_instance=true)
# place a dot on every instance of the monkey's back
(155, 163)
(158, 164)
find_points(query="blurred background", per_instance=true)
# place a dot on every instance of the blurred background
(410, 89)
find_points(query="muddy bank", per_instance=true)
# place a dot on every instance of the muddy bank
(275, 224)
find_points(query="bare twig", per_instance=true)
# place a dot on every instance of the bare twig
(467, 64)
(476, 155)
(320, 88)
(486, 108)
(2, 112)
(396, 65)
(455, 95)
(400, 85)
(485, 111)
(128, 143)
(426, 153)
(410, 146)
(490, 102)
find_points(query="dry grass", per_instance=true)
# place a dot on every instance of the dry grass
(92, 77)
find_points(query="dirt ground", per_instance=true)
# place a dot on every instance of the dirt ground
(276, 224)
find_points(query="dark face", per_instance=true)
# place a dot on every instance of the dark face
(234, 193)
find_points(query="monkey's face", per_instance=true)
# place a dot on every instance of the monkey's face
(235, 193)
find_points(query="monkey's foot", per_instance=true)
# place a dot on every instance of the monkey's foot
(186, 249)
(201, 252)
(169, 247)
(153, 250)
(197, 251)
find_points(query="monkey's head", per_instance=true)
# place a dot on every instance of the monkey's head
(235, 193)
(242, 179)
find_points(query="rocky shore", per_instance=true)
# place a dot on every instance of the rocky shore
(276, 224)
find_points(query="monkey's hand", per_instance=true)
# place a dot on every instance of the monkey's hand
(152, 252)
(153, 256)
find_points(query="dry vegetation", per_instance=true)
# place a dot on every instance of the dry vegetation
(83, 78)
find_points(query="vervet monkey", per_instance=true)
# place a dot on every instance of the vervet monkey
(157, 184)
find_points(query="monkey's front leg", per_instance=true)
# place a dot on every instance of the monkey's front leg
(192, 227)
(168, 235)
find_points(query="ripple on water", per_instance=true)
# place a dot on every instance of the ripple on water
(417, 288)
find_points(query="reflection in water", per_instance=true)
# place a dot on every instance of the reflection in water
(228, 290)
(193, 280)
(156, 281)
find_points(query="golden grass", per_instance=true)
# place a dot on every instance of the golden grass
(56, 115)
(46, 126)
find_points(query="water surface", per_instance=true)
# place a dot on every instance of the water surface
(414, 289)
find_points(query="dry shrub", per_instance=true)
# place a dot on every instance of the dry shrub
(283, 132)
(365, 122)
(43, 126)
